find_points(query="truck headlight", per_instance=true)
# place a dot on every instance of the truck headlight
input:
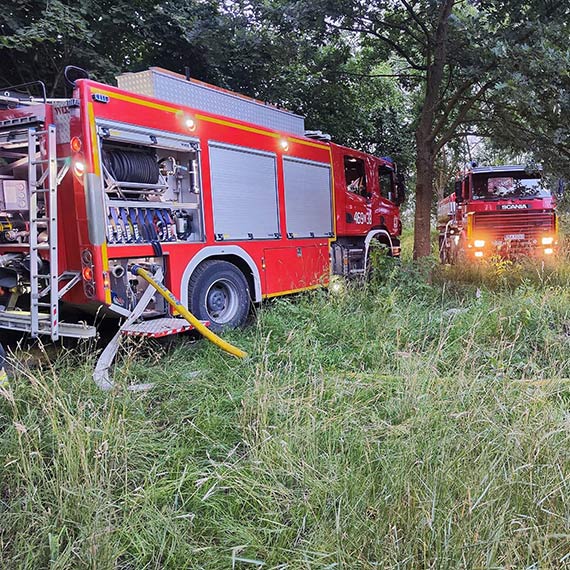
(547, 240)
(479, 243)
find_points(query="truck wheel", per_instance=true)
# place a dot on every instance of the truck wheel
(218, 292)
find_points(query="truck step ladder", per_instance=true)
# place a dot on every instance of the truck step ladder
(356, 261)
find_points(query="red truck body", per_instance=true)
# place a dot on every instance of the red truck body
(500, 210)
(140, 179)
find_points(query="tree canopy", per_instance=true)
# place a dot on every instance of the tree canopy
(407, 78)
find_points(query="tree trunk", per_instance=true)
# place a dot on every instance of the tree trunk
(425, 143)
(424, 196)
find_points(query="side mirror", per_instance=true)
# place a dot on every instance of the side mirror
(458, 192)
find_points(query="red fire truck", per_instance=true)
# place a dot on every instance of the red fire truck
(228, 197)
(498, 210)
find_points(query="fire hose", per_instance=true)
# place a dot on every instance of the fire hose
(184, 312)
(101, 372)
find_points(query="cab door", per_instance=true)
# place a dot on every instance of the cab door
(358, 210)
(386, 209)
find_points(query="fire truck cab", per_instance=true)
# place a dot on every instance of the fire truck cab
(222, 194)
(498, 210)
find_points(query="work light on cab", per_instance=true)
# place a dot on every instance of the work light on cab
(190, 123)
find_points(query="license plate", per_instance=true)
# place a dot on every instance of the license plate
(512, 237)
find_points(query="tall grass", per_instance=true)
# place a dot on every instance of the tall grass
(404, 424)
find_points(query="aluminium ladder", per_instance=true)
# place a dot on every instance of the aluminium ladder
(45, 184)
(44, 176)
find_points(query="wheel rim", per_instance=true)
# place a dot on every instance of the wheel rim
(222, 301)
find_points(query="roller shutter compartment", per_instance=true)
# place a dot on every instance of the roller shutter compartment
(308, 199)
(244, 193)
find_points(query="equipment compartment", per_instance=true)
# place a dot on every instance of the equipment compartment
(152, 185)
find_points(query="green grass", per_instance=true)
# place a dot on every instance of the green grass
(419, 422)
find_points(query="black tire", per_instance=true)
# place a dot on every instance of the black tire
(218, 292)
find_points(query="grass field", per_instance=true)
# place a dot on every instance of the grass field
(422, 421)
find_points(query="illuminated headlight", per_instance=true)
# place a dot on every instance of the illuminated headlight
(479, 243)
(547, 240)
(478, 254)
(456, 239)
(548, 251)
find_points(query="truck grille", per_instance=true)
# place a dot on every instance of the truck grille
(512, 226)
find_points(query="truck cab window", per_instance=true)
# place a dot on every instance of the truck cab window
(386, 183)
(355, 175)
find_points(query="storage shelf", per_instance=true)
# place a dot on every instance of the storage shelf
(155, 205)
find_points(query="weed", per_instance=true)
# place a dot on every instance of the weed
(414, 422)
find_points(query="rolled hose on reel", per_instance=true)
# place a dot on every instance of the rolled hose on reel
(132, 166)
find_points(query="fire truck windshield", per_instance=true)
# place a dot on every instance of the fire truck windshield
(498, 187)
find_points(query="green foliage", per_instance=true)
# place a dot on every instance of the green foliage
(401, 424)
(252, 48)
(357, 69)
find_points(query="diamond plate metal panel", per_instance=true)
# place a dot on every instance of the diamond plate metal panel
(157, 328)
(308, 198)
(174, 88)
(141, 82)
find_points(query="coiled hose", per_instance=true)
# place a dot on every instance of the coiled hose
(132, 166)
(176, 304)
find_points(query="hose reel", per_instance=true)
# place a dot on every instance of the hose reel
(132, 166)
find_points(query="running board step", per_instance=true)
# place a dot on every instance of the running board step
(22, 321)
(157, 328)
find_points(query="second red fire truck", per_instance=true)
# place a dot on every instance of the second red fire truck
(230, 198)
(505, 211)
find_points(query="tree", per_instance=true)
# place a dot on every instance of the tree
(453, 57)
(240, 45)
